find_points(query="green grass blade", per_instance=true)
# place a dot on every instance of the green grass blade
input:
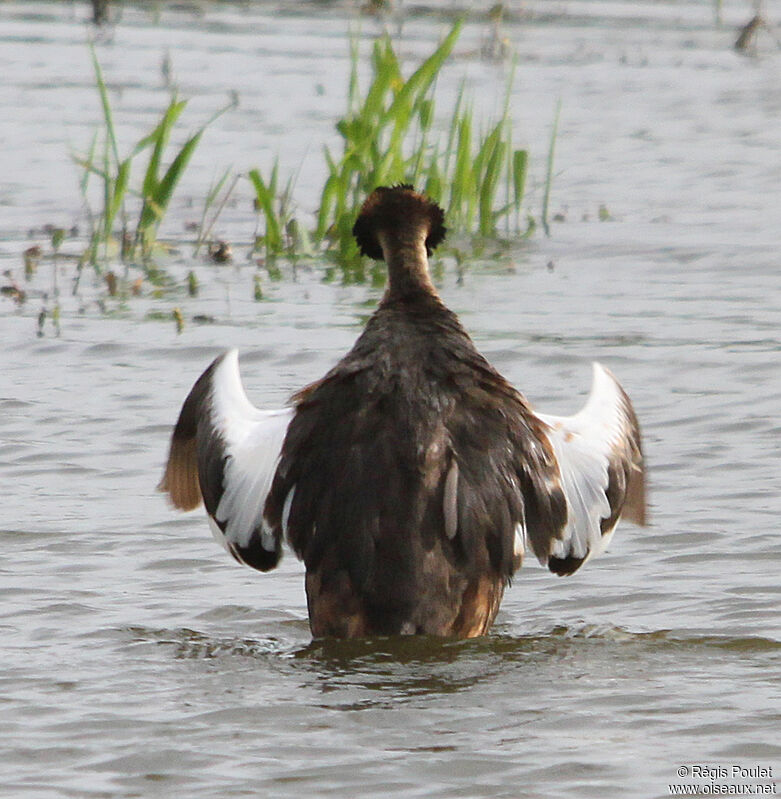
(485, 152)
(106, 105)
(488, 187)
(217, 188)
(413, 92)
(159, 138)
(108, 186)
(519, 168)
(329, 160)
(421, 79)
(265, 202)
(462, 183)
(433, 183)
(387, 73)
(156, 205)
(87, 163)
(454, 126)
(214, 192)
(159, 129)
(117, 196)
(425, 112)
(353, 87)
(328, 202)
(549, 169)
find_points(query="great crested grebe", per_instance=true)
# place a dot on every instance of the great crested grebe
(410, 478)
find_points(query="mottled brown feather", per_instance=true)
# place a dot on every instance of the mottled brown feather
(369, 452)
(479, 606)
(181, 475)
(633, 507)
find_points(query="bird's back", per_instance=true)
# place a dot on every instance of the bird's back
(370, 457)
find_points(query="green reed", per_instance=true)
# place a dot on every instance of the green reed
(114, 172)
(217, 203)
(389, 135)
(549, 169)
(270, 204)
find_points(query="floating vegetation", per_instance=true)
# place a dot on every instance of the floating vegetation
(192, 284)
(178, 319)
(221, 252)
(56, 318)
(13, 290)
(32, 257)
(746, 41)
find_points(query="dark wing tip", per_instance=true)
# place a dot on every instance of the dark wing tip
(564, 567)
(258, 557)
(389, 207)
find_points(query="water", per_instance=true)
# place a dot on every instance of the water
(137, 660)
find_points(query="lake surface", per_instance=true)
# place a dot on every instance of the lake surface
(136, 660)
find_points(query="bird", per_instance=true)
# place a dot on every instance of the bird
(412, 477)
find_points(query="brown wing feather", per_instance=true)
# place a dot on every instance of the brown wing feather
(180, 478)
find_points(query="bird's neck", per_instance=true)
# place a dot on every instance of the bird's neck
(407, 262)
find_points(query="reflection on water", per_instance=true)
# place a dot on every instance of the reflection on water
(186, 643)
(388, 671)
(137, 660)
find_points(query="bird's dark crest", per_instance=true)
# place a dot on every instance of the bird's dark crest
(395, 208)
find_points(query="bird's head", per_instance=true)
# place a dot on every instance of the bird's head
(398, 216)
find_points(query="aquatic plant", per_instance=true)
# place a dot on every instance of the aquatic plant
(389, 136)
(213, 200)
(271, 205)
(158, 182)
(390, 133)
(282, 231)
(549, 169)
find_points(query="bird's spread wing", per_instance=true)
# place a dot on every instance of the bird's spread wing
(225, 451)
(600, 459)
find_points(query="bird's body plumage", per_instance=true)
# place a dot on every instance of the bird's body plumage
(409, 477)
(369, 452)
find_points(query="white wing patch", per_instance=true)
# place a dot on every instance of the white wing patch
(253, 441)
(600, 440)
(225, 452)
(518, 546)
